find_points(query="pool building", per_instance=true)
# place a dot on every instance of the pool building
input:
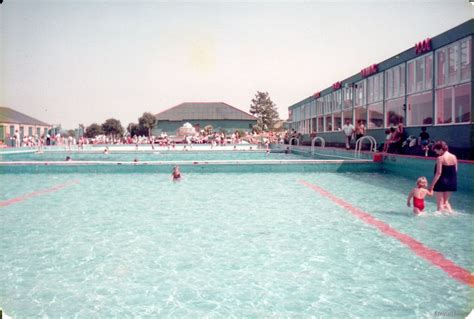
(12, 121)
(221, 116)
(429, 84)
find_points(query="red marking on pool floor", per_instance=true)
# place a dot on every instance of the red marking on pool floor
(37, 193)
(431, 255)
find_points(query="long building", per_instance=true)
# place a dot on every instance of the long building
(221, 116)
(429, 84)
(12, 121)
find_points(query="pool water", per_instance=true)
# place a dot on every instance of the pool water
(129, 156)
(225, 245)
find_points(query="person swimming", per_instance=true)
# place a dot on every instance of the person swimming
(176, 174)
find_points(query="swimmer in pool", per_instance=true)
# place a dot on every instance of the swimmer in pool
(176, 174)
(418, 194)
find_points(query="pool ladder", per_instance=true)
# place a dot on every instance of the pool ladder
(313, 142)
(358, 146)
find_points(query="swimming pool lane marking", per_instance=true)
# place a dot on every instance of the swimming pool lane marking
(431, 255)
(37, 193)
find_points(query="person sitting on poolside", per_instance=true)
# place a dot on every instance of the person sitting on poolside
(176, 174)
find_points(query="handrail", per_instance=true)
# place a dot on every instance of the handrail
(373, 144)
(313, 142)
(297, 142)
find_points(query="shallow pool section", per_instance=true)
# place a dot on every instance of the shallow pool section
(225, 245)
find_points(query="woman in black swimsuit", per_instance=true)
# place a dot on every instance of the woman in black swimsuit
(445, 178)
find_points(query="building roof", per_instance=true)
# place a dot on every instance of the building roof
(203, 111)
(8, 115)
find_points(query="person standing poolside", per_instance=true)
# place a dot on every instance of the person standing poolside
(348, 130)
(418, 194)
(359, 129)
(424, 140)
(16, 136)
(445, 179)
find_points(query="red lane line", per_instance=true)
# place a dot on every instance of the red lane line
(431, 255)
(37, 193)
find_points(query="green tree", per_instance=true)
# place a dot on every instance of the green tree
(93, 130)
(265, 110)
(133, 129)
(146, 122)
(71, 133)
(112, 127)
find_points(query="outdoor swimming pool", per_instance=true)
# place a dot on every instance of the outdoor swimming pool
(229, 244)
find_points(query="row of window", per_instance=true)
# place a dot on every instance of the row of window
(366, 99)
(30, 131)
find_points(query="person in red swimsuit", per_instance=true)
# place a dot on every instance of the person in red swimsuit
(418, 194)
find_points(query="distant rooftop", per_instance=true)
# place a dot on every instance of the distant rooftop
(204, 111)
(8, 115)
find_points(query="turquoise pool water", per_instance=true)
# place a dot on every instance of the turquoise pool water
(225, 245)
(119, 156)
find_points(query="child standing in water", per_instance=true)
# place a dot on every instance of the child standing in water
(418, 194)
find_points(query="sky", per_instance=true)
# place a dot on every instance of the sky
(74, 62)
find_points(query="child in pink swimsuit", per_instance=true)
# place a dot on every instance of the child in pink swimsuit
(418, 194)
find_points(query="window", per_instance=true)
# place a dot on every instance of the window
(444, 105)
(394, 82)
(347, 102)
(394, 113)
(327, 104)
(337, 100)
(466, 51)
(360, 114)
(30, 131)
(375, 114)
(38, 131)
(441, 67)
(360, 93)
(420, 109)
(453, 104)
(313, 125)
(337, 120)
(320, 124)
(462, 103)
(328, 122)
(453, 63)
(12, 130)
(420, 74)
(347, 115)
(375, 88)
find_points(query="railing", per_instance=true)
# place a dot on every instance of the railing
(317, 138)
(358, 146)
(291, 141)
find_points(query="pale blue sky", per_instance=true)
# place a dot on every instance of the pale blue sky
(83, 61)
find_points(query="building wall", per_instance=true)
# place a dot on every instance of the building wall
(8, 129)
(441, 101)
(170, 127)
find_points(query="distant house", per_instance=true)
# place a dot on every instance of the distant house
(11, 121)
(221, 116)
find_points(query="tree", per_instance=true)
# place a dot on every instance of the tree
(265, 110)
(112, 127)
(147, 122)
(133, 129)
(93, 130)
